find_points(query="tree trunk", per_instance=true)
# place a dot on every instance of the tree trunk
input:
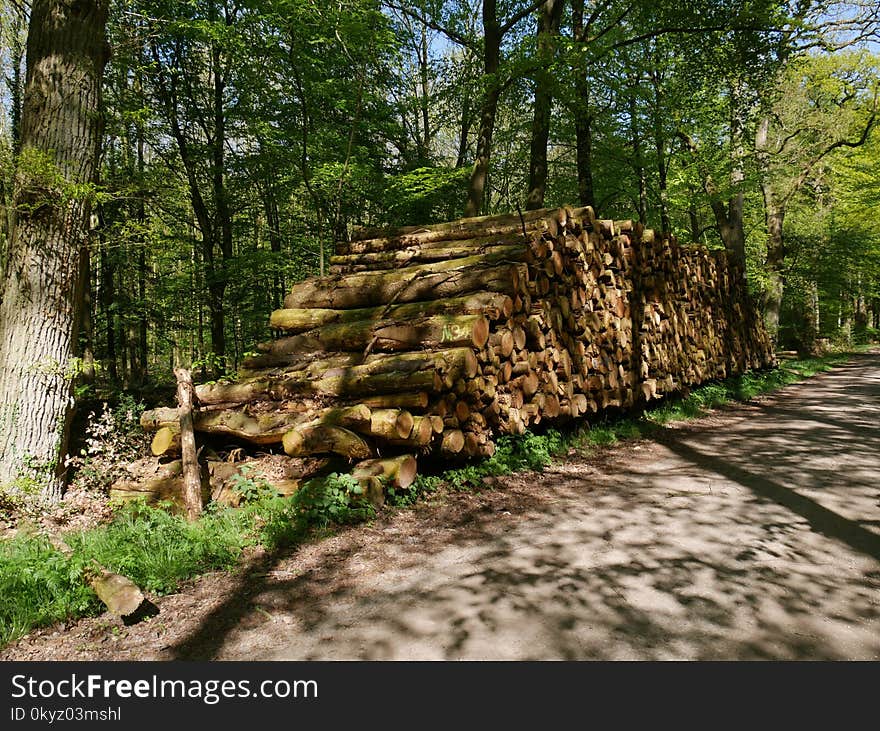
(583, 117)
(733, 228)
(638, 162)
(774, 271)
(16, 58)
(660, 149)
(217, 286)
(273, 227)
(39, 315)
(774, 217)
(142, 256)
(548, 27)
(107, 299)
(464, 127)
(424, 152)
(491, 64)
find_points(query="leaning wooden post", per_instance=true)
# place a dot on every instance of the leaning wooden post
(192, 476)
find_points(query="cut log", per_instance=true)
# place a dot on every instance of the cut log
(397, 472)
(307, 440)
(120, 594)
(164, 483)
(391, 424)
(382, 373)
(166, 441)
(452, 442)
(485, 227)
(372, 261)
(490, 304)
(436, 281)
(421, 435)
(261, 427)
(436, 331)
(418, 400)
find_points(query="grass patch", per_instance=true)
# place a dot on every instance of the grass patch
(40, 585)
(157, 550)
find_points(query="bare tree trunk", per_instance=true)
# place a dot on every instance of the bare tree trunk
(660, 145)
(217, 287)
(424, 99)
(464, 128)
(143, 364)
(775, 286)
(638, 161)
(549, 19)
(87, 325)
(583, 118)
(728, 213)
(273, 226)
(733, 228)
(583, 124)
(491, 63)
(106, 299)
(774, 217)
(39, 315)
(16, 58)
(15, 53)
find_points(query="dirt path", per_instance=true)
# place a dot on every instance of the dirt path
(753, 533)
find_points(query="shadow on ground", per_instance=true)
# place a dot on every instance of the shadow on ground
(753, 534)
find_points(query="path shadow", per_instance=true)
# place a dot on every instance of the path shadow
(821, 519)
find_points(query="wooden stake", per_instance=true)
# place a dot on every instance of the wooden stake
(192, 476)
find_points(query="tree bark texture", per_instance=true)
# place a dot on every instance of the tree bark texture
(39, 317)
(491, 64)
(549, 19)
(583, 117)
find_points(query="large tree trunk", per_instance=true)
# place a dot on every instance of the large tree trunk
(61, 133)
(775, 217)
(548, 27)
(491, 63)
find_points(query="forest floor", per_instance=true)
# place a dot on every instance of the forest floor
(751, 533)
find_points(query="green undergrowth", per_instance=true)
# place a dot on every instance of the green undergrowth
(156, 549)
(40, 585)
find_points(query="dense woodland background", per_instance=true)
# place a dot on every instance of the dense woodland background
(243, 138)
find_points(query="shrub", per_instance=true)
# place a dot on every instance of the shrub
(113, 439)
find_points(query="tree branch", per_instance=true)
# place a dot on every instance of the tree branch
(516, 17)
(452, 35)
(838, 144)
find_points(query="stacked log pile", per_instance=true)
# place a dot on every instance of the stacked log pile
(436, 339)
